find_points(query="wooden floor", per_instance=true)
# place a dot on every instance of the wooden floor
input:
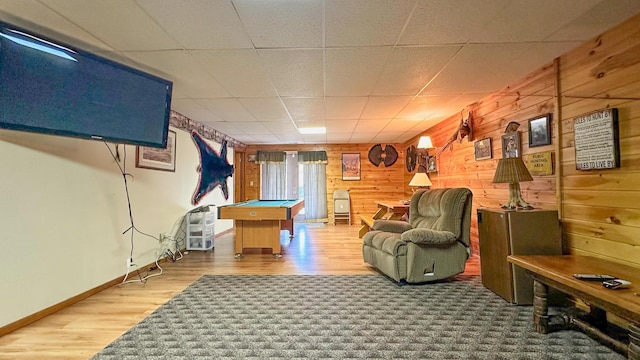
(80, 331)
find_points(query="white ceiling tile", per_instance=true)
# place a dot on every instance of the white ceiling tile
(422, 107)
(48, 23)
(121, 24)
(344, 107)
(180, 67)
(346, 25)
(410, 68)
(340, 126)
(282, 23)
(449, 21)
(199, 24)
(478, 68)
(311, 123)
(227, 109)
(266, 139)
(371, 125)
(523, 20)
(406, 136)
(230, 128)
(255, 128)
(428, 124)
(400, 125)
(354, 71)
(193, 110)
(379, 107)
(361, 137)
(388, 137)
(314, 138)
(598, 19)
(266, 109)
(338, 138)
(238, 70)
(280, 127)
(294, 72)
(289, 138)
(305, 109)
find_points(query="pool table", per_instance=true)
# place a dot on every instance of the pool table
(258, 222)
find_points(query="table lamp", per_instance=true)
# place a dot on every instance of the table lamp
(512, 171)
(421, 180)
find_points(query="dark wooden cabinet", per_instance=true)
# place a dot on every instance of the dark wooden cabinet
(503, 233)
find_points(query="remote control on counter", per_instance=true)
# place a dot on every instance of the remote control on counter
(593, 277)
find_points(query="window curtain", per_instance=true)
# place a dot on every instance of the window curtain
(273, 175)
(314, 170)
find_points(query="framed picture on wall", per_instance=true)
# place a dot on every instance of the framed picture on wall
(540, 131)
(432, 164)
(158, 159)
(511, 145)
(482, 149)
(351, 166)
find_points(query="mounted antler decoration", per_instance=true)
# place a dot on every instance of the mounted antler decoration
(465, 129)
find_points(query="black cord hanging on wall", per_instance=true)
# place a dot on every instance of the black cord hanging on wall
(387, 156)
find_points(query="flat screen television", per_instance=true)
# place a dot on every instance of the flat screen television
(53, 88)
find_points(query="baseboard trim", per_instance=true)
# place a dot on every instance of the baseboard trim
(7, 329)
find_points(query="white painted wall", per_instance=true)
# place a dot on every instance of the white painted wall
(63, 210)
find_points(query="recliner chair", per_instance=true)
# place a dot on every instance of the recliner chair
(433, 245)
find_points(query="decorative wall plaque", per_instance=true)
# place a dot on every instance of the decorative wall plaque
(539, 163)
(379, 155)
(596, 140)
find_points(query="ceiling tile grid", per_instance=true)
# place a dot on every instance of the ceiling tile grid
(368, 70)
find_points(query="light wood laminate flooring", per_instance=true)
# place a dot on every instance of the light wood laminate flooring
(83, 329)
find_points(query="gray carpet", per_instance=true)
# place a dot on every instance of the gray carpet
(343, 317)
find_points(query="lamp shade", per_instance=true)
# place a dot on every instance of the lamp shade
(425, 143)
(420, 179)
(511, 170)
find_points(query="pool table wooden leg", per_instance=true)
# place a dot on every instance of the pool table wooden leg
(287, 225)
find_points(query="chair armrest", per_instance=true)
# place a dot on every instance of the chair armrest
(428, 237)
(393, 226)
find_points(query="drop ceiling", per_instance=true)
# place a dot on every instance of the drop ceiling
(370, 71)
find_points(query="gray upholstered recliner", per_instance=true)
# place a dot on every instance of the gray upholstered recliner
(433, 245)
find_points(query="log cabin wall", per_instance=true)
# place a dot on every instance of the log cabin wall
(601, 208)
(376, 183)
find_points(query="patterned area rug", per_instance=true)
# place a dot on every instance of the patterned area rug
(343, 317)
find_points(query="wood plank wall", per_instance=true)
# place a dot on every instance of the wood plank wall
(601, 208)
(377, 183)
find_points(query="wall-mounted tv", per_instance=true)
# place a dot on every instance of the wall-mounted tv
(53, 88)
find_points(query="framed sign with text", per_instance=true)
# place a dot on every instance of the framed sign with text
(597, 141)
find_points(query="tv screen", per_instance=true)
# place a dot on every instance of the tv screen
(52, 88)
